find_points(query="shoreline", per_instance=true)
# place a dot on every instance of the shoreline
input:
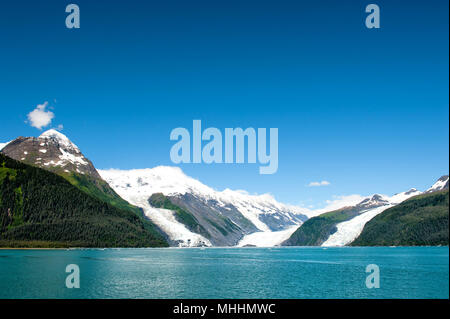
(202, 248)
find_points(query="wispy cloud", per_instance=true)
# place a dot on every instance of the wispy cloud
(316, 184)
(337, 202)
(40, 117)
(343, 201)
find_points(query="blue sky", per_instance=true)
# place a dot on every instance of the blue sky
(366, 110)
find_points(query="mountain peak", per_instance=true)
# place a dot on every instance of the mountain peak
(373, 201)
(52, 151)
(441, 183)
(58, 137)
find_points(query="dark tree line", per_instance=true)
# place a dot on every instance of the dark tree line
(37, 205)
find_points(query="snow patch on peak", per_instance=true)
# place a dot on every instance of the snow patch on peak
(441, 184)
(400, 197)
(167, 180)
(58, 137)
(374, 200)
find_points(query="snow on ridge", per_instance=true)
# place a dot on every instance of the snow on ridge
(66, 156)
(372, 199)
(2, 145)
(170, 181)
(400, 197)
(69, 151)
(167, 180)
(439, 185)
(60, 138)
(137, 185)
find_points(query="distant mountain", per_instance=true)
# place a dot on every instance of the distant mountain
(41, 209)
(442, 183)
(194, 214)
(421, 220)
(340, 227)
(54, 152)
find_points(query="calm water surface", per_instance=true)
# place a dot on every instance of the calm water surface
(405, 272)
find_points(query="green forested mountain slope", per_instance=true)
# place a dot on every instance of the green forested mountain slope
(41, 209)
(316, 230)
(419, 221)
(54, 152)
(100, 189)
(158, 200)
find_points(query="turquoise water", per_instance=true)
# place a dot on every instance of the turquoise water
(405, 272)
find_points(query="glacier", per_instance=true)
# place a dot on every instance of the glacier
(267, 238)
(269, 216)
(349, 230)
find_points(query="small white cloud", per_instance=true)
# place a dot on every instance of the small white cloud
(40, 117)
(322, 183)
(60, 127)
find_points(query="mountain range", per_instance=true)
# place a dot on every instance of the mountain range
(225, 218)
(180, 210)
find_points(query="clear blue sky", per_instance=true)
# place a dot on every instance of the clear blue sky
(366, 110)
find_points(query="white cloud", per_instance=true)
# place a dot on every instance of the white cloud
(60, 127)
(343, 201)
(322, 183)
(337, 202)
(40, 117)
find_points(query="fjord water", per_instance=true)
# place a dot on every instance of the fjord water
(279, 272)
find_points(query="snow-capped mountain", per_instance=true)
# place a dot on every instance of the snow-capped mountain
(224, 217)
(400, 197)
(227, 216)
(442, 183)
(52, 151)
(341, 226)
(373, 201)
(378, 200)
(349, 230)
(189, 212)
